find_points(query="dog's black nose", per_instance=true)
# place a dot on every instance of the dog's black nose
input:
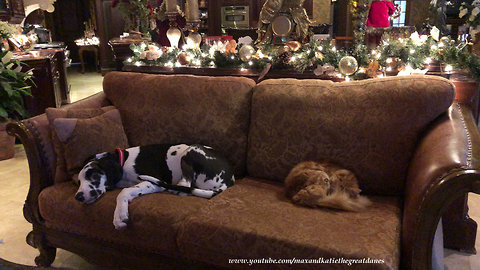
(79, 197)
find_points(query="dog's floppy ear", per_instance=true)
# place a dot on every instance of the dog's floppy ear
(113, 171)
(90, 158)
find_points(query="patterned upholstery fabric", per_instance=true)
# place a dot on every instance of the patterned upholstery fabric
(254, 220)
(370, 127)
(214, 111)
(61, 174)
(154, 218)
(82, 138)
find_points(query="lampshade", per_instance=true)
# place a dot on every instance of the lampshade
(173, 35)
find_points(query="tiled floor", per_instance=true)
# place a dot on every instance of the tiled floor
(14, 182)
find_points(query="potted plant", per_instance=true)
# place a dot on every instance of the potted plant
(6, 31)
(13, 86)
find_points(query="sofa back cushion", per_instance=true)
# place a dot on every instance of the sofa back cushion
(370, 127)
(214, 111)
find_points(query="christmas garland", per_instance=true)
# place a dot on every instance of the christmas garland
(405, 55)
(360, 9)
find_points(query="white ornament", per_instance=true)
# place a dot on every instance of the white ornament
(435, 33)
(245, 40)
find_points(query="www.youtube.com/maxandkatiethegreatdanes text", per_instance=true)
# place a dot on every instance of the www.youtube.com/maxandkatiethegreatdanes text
(320, 260)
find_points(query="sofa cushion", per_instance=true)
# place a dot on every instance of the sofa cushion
(154, 218)
(370, 127)
(172, 109)
(82, 138)
(254, 220)
(61, 174)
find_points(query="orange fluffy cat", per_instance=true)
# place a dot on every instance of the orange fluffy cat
(323, 184)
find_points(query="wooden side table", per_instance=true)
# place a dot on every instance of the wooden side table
(90, 48)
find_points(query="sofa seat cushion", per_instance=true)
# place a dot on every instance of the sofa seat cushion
(254, 220)
(154, 218)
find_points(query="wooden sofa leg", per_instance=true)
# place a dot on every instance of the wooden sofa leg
(47, 253)
(459, 230)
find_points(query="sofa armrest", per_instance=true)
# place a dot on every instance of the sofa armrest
(445, 166)
(34, 133)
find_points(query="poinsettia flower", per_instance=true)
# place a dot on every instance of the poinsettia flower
(418, 39)
(149, 5)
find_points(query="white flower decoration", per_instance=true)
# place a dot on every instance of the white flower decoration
(463, 12)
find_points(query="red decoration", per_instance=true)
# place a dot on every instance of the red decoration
(379, 13)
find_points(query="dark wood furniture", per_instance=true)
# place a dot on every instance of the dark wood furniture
(120, 48)
(12, 11)
(109, 25)
(51, 88)
(88, 48)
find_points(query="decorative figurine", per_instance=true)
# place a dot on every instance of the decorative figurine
(281, 17)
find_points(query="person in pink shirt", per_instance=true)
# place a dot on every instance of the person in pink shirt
(378, 18)
(380, 12)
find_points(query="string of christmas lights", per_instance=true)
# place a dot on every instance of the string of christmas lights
(404, 56)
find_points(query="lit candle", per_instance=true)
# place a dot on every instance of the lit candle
(171, 6)
(192, 12)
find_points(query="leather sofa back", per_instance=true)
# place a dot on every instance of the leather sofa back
(156, 109)
(370, 127)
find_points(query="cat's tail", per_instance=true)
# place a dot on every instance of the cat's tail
(341, 200)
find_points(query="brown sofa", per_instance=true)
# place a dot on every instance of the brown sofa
(411, 148)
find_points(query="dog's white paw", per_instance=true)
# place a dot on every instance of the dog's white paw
(120, 218)
(119, 225)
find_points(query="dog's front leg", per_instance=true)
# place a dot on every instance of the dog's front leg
(120, 216)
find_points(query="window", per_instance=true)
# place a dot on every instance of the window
(400, 21)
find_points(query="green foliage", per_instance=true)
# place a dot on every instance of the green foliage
(13, 86)
(7, 30)
(135, 14)
(412, 51)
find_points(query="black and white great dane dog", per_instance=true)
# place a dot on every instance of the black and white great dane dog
(185, 169)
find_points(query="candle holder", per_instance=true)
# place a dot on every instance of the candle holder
(194, 38)
(174, 34)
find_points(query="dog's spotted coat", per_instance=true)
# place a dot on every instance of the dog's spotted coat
(182, 169)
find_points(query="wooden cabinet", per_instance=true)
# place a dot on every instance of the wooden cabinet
(12, 11)
(109, 25)
(51, 88)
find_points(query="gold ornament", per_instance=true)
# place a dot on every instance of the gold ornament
(183, 59)
(293, 45)
(445, 41)
(348, 65)
(319, 55)
(246, 53)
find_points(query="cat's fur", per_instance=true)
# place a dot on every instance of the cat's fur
(323, 184)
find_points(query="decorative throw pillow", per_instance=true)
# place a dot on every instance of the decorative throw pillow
(82, 138)
(54, 113)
